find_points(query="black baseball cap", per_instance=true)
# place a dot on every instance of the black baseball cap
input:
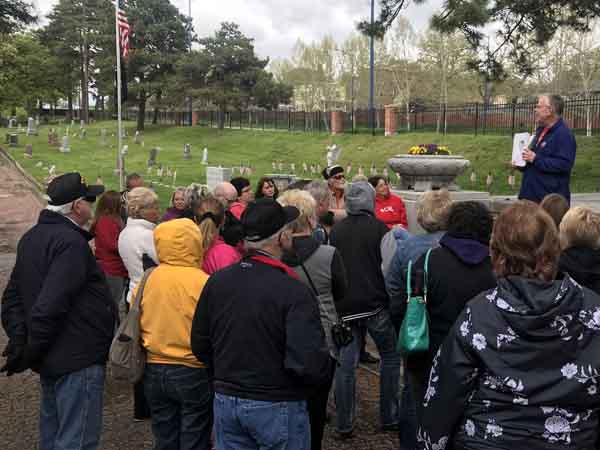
(67, 188)
(265, 217)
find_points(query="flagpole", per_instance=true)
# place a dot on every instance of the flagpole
(119, 122)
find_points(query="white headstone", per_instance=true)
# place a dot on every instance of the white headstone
(12, 123)
(31, 128)
(333, 154)
(81, 123)
(216, 175)
(136, 139)
(28, 151)
(65, 145)
(125, 150)
(187, 151)
(205, 156)
(103, 133)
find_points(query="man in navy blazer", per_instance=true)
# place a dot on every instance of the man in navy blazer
(551, 154)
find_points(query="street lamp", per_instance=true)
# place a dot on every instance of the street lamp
(372, 70)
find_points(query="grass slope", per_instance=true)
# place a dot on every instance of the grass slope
(488, 154)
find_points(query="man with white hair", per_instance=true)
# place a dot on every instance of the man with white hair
(59, 317)
(226, 193)
(232, 230)
(258, 326)
(551, 154)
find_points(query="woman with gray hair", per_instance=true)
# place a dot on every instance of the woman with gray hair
(135, 241)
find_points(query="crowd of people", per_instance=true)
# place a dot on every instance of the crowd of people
(256, 305)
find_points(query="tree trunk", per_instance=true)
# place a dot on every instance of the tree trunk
(70, 107)
(158, 98)
(141, 109)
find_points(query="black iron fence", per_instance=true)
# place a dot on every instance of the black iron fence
(581, 114)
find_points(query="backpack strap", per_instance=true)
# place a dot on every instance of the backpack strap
(408, 280)
(137, 301)
(426, 274)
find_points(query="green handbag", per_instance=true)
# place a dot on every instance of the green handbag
(414, 332)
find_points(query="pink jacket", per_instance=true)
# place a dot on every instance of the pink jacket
(219, 255)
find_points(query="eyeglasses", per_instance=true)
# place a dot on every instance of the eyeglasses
(339, 177)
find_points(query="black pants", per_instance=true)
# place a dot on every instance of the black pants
(317, 409)
(141, 409)
(418, 376)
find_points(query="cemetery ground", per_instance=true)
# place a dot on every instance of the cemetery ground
(19, 394)
(489, 154)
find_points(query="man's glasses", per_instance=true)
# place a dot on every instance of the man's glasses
(339, 177)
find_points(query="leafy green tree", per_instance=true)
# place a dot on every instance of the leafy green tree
(160, 34)
(28, 73)
(13, 15)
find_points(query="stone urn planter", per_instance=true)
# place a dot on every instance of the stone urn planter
(425, 172)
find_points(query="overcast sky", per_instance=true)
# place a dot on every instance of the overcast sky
(277, 24)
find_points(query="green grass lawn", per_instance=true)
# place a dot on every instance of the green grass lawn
(260, 148)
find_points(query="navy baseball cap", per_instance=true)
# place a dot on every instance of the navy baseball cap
(69, 187)
(265, 217)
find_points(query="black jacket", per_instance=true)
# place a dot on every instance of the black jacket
(358, 239)
(57, 299)
(459, 269)
(259, 330)
(518, 370)
(583, 264)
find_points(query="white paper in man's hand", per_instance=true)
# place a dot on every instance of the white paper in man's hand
(520, 143)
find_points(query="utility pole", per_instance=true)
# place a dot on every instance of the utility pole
(372, 71)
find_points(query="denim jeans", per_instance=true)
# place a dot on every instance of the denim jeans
(180, 400)
(408, 416)
(244, 424)
(71, 410)
(382, 331)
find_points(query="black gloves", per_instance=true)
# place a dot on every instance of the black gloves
(18, 358)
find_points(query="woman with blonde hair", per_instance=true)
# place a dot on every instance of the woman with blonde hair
(135, 241)
(210, 216)
(321, 268)
(178, 205)
(519, 367)
(580, 243)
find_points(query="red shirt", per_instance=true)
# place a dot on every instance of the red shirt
(391, 210)
(237, 209)
(106, 233)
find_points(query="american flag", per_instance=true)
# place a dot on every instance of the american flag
(124, 29)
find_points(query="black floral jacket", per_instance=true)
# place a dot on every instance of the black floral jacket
(520, 369)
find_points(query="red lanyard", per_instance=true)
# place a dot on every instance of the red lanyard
(275, 263)
(542, 134)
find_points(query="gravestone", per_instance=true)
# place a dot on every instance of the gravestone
(28, 151)
(81, 123)
(82, 133)
(187, 151)
(12, 123)
(64, 148)
(37, 121)
(72, 123)
(125, 150)
(152, 156)
(137, 138)
(31, 128)
(13, 140)
(103, 137)
(205, 156)
(216, 175)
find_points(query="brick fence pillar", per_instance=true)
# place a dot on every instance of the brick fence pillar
(337, 122)
(391, 120)
(194, 118)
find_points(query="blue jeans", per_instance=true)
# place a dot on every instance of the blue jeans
(243, 424)
(382, 331)
(71, 410)
(180, 400)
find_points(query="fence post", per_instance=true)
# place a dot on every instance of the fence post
(514, 107)
(476, 118)
(263, 119)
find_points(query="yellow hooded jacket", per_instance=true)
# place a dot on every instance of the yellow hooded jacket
(172, 293)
